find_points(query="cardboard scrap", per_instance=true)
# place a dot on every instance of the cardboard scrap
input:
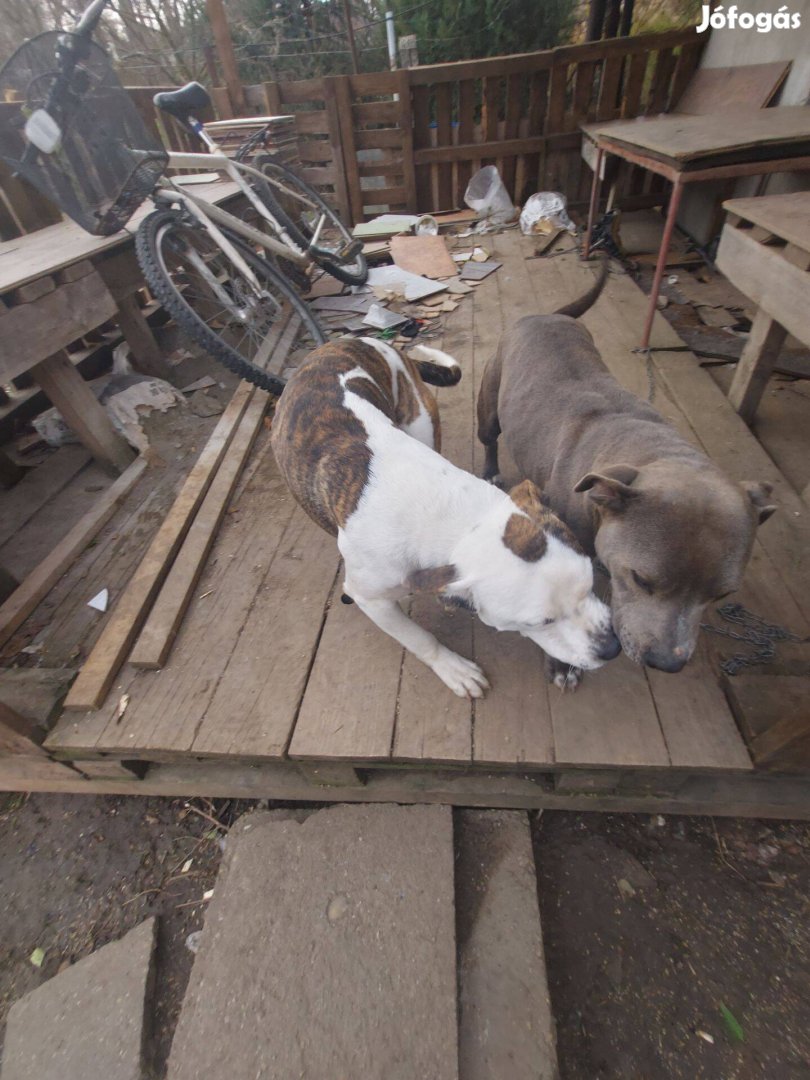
(425, 255)
(457, 286)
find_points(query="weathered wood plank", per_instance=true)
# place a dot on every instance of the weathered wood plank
(99, 671)
(160, 629)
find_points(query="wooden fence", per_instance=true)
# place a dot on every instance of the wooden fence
(410, 140)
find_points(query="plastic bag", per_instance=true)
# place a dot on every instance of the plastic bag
(489, 198)
(544, 212)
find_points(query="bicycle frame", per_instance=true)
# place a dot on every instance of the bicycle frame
(211, 216)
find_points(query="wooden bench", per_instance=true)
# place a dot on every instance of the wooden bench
(765, 251)
(60, 283)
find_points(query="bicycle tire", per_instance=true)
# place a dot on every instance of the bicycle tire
(147, 239)
(267, 195)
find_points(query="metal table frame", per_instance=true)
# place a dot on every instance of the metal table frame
(679, 176)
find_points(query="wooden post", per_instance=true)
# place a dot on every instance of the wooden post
(67, 390)
(756, 364)
(347, 14)
(145, 350)
(227, 57)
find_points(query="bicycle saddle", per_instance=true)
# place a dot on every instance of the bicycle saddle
(180, 103)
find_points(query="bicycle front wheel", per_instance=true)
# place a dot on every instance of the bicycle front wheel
(215, 303)
(299, 208)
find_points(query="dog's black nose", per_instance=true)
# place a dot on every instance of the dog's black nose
(609, 646)
(667, 662)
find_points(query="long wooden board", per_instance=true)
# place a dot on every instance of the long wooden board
(24, 599)
(159, 631)
(95, 678)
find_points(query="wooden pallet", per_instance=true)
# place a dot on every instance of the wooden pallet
(273, 683)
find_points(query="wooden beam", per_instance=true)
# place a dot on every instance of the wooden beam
(38, 329)
(42, 579)
(146, 352)
(347, 18)
(126, 619)
(77, 403)
(226, 54)
(161, 627)
(567, 140)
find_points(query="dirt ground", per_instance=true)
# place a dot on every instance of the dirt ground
(656, 925)
(652, 924)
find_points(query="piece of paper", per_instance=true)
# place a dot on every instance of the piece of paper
(390, 277)
(342, 303)
(100, 600)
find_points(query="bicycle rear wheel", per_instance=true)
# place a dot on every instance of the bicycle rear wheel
(299, 208)
(213, 301)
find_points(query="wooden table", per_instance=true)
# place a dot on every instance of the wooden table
(60, 283)
(765, 251)
(692, 149)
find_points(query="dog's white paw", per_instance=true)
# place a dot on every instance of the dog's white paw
(567, 677)
(462, 676)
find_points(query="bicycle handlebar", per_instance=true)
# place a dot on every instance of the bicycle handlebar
(89, 18)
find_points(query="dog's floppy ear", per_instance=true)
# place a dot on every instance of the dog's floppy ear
(758, 492)
(528, 497)
(610, 488)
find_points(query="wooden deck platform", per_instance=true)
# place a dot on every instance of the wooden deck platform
(276, 688)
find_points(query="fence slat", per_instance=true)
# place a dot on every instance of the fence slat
(466, 134)
(659, 94)
(342, 197)
(444, 137)
(347, 138)
(406, 126)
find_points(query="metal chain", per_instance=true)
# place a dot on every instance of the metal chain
(760, 635)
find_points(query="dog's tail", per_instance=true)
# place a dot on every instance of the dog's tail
(580, 306)
(435, 366)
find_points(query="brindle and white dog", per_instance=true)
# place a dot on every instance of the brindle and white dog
(356, 435)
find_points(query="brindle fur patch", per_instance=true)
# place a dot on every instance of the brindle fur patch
(527, 536)
(432, 579)
(320, 445)
(407, 404)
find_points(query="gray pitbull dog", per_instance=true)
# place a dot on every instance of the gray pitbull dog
(673, 532)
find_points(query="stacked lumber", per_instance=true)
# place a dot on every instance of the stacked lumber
(156, 598)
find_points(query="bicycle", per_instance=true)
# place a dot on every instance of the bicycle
(79, 139)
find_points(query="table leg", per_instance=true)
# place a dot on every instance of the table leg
(77, 403)
(756, 364)
(148, 359)
(597, 172)
(666, 239)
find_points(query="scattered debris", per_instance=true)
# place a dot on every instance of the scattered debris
(415, 287)
(425, 255)
(199, 384)
(100, 600)
(382, 319)
(123, 702)
(193, 941)
(487, 195)
(477, 271)
(732, 1023)
(705, 1036)
(385, 225)
(545, 214)
(37, 957)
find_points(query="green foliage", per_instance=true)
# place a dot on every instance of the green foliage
(466, 29)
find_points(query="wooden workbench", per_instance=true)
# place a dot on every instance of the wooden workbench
(765, 251)
(694, 149)
(57, 285)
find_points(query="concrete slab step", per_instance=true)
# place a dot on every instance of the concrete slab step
(506, 1027)
(328, 951)
(90, 1020)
